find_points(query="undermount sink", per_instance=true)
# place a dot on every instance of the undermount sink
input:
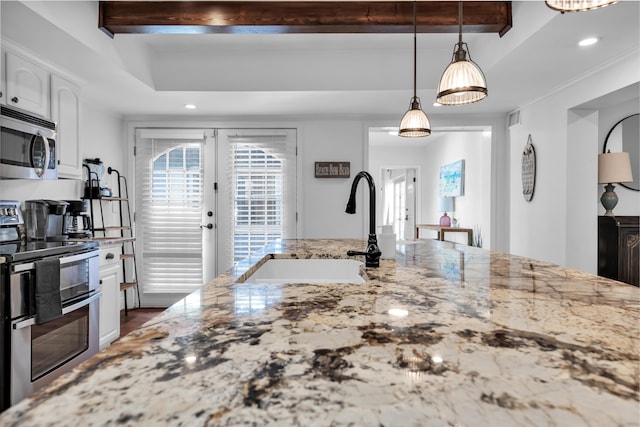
(312, 271)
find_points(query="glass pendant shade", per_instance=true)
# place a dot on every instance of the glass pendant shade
(578, 5)
(415, 123)
(462, 81)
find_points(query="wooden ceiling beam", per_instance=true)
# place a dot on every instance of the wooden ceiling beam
(275, 17)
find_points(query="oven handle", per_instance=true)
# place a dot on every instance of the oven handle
(32, 321)
(64, 260)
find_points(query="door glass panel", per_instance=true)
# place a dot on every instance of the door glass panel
(258, 185)
(58, 341)
(260, 170)
(38, 152)
(170, 203)
(15, 147)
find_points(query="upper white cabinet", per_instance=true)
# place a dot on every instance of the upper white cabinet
(65, 111)
(27, 85)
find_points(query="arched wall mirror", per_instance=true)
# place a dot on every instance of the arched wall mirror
(625, 136)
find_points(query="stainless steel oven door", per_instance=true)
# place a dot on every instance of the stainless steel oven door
(79, 275)
(41, 353)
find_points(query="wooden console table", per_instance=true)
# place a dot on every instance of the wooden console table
(441, 230)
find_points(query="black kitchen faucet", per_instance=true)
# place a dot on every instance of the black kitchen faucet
(372, 251)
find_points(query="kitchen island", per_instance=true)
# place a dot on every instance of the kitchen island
(444, 335)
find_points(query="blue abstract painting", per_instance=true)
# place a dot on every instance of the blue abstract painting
(452, 179)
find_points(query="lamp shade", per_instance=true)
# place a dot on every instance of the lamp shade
(445, 204)
(614, 168)
(462, 81)
(578, 5)
(414, 123)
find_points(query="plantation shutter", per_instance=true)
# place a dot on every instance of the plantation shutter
(261, 176)
(169, 196)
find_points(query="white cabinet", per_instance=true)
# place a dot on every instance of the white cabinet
(27, 85)
(65, 111)
(30, 87)
(110, 272)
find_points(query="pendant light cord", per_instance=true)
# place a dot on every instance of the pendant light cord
(460, 22)
(415, 50)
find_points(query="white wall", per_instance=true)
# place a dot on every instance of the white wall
(582, 139)
(563, 213)
(323, 200)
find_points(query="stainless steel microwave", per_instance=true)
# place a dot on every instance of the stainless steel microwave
(27, 146)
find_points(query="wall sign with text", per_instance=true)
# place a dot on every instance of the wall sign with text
(332, 169)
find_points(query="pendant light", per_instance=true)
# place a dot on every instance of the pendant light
(578, 5)
(414, 123)
(462, 81)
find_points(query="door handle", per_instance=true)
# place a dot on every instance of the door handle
(65, 260)
(66, 310)
(209, 226)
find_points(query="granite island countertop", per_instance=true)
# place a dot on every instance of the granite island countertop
(444, 335)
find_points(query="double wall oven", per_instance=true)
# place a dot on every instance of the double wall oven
(50, 307)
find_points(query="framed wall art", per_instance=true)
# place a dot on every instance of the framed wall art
(452, 179)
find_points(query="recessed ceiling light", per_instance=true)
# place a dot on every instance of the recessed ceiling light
(588, 41)
(190, 106)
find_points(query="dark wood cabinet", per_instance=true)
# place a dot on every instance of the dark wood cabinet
(619, 248)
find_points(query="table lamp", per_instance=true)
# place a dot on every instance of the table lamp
(445, 204)
(613, 168)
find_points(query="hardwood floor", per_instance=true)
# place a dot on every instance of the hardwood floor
(136, 317)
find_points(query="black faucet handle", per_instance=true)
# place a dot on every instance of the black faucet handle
(356, 253)
(372, 255)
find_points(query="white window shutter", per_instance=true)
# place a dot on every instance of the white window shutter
(169, 190)
(261, 177)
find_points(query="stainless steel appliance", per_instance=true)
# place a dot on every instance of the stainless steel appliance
(45, 219)
(51, 306)
(77, 222)
(27, 146)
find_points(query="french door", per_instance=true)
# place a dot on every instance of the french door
(399, 205)
(207, 198)
(175, 202)
(399, 201)
(257, 187)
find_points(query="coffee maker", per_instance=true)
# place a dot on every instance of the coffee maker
(93, 188)
(77, 222)
(44, 219)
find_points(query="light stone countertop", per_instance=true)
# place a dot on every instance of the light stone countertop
(444, 335)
